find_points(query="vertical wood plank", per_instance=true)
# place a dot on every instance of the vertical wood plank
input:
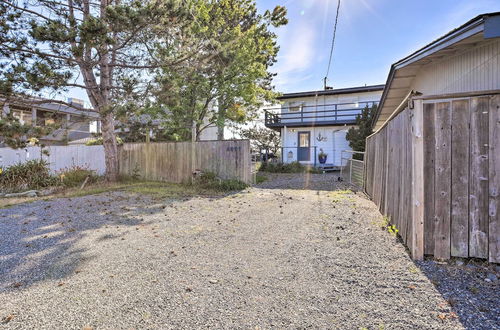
(460, 178)
(417, 239)
(172, 161)
(479, 172)
(409, 178)
(429, 171)
(442, 181)
(405, 202)
(494, 182)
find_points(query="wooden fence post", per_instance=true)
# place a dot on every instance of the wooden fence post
(417, 186)
(193, 148)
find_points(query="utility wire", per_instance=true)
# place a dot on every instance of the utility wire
(333, 41)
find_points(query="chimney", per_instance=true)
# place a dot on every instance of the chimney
(76, 102)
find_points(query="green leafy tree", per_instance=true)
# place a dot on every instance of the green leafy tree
(112, 49)
(233, 82)
(357, 135)
(262, 138)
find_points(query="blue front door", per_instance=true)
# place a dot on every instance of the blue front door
(304, 143)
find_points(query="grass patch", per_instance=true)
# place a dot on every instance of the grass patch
(155, 189)
(76, 176)
(340, 195)
(209, 181)
(259, 178)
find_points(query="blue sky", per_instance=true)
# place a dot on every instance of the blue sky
(371, 35)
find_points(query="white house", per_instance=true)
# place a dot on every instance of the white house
(311, 122)
(78, 122)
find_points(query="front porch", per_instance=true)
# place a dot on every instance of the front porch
(309, 156)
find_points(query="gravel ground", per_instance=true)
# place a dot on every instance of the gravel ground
(262, 258)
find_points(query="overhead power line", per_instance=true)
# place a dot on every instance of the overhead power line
(333, 42)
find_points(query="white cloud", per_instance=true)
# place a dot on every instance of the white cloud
(297, 53)
(297, 48)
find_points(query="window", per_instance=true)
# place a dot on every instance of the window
(45, 118)
(24, 117)
(295, 107)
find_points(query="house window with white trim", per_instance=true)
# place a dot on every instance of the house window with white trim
(295, 106)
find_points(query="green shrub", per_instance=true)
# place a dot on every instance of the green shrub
(294, 167)
(76, 175)
(210, 181)
(314, 170)
(259, 178)
(33, 174)
(98, 141)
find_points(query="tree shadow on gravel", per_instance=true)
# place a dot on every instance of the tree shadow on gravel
(471, 298)
(39, 240)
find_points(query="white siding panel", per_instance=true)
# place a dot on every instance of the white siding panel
(473, 70)
(329, 138)
(340, 144)
(60, 157)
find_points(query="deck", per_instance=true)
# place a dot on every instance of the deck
(314, 115)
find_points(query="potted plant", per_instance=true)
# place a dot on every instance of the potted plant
(322, 156)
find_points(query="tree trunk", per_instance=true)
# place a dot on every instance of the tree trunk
(221, 122)
(110, 147)
(220, 132)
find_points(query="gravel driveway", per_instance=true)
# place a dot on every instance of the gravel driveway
(266, 257)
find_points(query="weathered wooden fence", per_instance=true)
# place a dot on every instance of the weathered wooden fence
(173, 161)
(60, 157)
(389, 173)
(461, 176)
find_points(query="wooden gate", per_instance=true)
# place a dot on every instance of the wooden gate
(461, 176)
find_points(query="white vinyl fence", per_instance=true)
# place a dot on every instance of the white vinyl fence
(60, 157)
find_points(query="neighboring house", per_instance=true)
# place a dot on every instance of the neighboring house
(77, 122)
(433, 164)
(311, 122)
(209, 133)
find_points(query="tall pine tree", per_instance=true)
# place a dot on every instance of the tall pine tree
(111, 49)
(357, 135)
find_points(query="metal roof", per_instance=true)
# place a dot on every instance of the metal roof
(350, 90)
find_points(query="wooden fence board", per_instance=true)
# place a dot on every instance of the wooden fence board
(429, 171)
(442, 181)
(409, 181)
(403, 201)
(399, 174)
(460, 178)
(494, 183)
(417, 190)
(478, 199)
(389, 179)
(172, 161)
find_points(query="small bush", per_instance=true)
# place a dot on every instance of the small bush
(98, 141)
(76, 175)
(294, 167)
(259, 178)
(210, 181)
(33, 174)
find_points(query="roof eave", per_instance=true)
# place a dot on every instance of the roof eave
(470, 28)
(371, 88)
